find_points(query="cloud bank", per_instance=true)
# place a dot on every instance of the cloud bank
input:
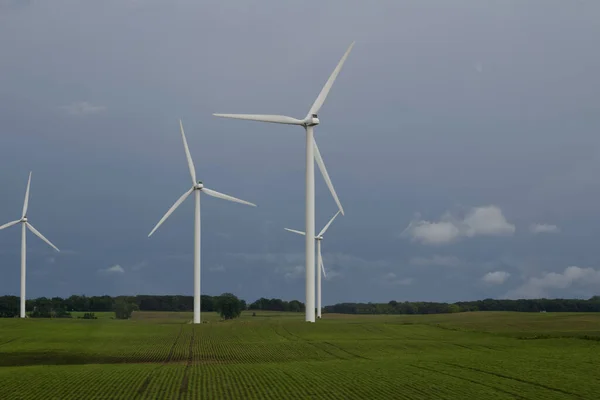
(479, 221)
(495, 278)
(552, 283)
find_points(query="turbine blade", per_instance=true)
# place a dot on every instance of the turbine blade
(323, 170)
(277, 119)
(329, 223)
(188, 155)
(8, 225)
(321, 264)
(173, 208)
(226, 197)
(26, 202)
(295, 231)
(325, 91)
(38, 234)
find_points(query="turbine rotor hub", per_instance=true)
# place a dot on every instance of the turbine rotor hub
(24, 219)
(312, 120)
(199, 186)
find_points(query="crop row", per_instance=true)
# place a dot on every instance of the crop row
(341, 379)
(274, 360)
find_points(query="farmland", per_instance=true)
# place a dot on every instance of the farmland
(493, 355)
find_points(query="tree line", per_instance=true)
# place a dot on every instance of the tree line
(227, 304)
(230, 306)
(523, 305)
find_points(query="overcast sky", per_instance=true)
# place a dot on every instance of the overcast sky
(463, 139)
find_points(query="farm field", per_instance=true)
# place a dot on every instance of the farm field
(493, 355)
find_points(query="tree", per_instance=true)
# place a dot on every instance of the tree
(296, 306)
(228, 306)
(124, 308)
(42, 308)
(276, 305)
(9, 306)
(453, 308)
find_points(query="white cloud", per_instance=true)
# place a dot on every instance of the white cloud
(496, 277)
(217, 268)
(572, 277)
(436, 260)
(115, 269)
(81, 108)
(434, 232)
(543, 228)
(487, 220)
(479, 221)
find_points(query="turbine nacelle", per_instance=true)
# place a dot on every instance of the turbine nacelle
(199, 186)
(311, 120)
(319, 238)
(24, 220)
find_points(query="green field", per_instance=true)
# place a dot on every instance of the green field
(278, 356)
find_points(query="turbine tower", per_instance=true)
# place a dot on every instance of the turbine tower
(308, 123)
(197, 187)
(318, 239)
(25, 224)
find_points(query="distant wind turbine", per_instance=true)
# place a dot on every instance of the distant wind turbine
(318, 239)
(308, 123)
(197, 187)
(25, 224)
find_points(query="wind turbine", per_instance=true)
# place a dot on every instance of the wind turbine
(25, 224)
(197, 187)
(318, 239)
(308, 123)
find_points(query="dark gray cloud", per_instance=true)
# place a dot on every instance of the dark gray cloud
(441, 108)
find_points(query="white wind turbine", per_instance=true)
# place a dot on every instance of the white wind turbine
(308, 123)
(197, 187)
(318, 239)
(25, 224)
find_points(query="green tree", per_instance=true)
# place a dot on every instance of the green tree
(124, 308)
(296, 306)
(228, 306)
(453, 308)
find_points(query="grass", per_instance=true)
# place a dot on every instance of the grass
(277, 355)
